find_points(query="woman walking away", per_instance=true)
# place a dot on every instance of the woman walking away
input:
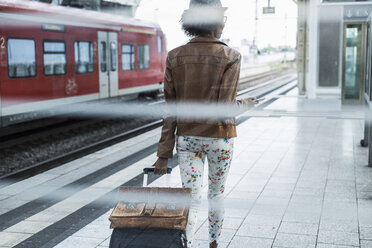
(205, 71)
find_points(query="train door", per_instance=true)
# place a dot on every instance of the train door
(353, 78)
(108, 64)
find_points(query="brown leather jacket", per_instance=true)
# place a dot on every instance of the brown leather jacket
(203, 71)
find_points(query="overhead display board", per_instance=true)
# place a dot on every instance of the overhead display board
(268, 10)
(357, 11)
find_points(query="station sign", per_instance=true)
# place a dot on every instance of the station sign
(268, 10)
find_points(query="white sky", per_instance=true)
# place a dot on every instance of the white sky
(278, 29)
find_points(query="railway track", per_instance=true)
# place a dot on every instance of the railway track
(250, 81)
(37, 130)
(252, 88)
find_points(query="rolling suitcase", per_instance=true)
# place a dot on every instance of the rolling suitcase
(146, 221)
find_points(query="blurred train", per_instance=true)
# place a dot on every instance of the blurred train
(53, 56)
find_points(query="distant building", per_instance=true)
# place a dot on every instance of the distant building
(120, 7)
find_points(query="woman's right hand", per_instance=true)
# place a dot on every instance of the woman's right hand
(161, 166)
(252, 100)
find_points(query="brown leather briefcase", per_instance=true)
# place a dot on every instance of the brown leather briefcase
(151, 207)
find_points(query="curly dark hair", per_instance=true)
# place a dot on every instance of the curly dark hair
(195, 29)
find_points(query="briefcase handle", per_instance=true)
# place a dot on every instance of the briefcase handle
(152, 169)
(147, 170)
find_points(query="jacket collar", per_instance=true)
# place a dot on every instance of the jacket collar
(206, 40)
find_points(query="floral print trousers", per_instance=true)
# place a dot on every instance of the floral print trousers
(192, 152)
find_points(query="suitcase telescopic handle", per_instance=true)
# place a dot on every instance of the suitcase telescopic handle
(147, 170)
(151, 169)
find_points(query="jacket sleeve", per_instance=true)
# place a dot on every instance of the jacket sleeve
(167, 139)
(229, 87)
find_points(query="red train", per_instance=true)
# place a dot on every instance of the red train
(52, 56)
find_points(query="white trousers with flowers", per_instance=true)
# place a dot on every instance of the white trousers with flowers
(192, 152)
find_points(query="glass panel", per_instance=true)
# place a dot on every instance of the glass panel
(127, 48)
(54, 64)
(91, 65)
(160, 45)
(367, 69)
(54, 58)
(21, 58)
(143, 57)
(126, 62)
(132, 59)
(127, 57)
(113, 56)
(103, 61)
(147, 56)
(54, 47)
(83, 56)
(353, 62)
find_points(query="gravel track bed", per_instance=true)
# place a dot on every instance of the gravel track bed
(27, 154)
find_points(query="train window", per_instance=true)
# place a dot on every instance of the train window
(113, 56)
(143, 57)
(160, 44)
(83, 57)
(102, 56)
(54, 58)
(127, 57)
(21, 58)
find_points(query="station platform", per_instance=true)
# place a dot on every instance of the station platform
(299, 179)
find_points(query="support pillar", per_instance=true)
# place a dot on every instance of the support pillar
(302, 46)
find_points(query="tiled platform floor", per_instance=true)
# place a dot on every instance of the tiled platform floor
(299, 179)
